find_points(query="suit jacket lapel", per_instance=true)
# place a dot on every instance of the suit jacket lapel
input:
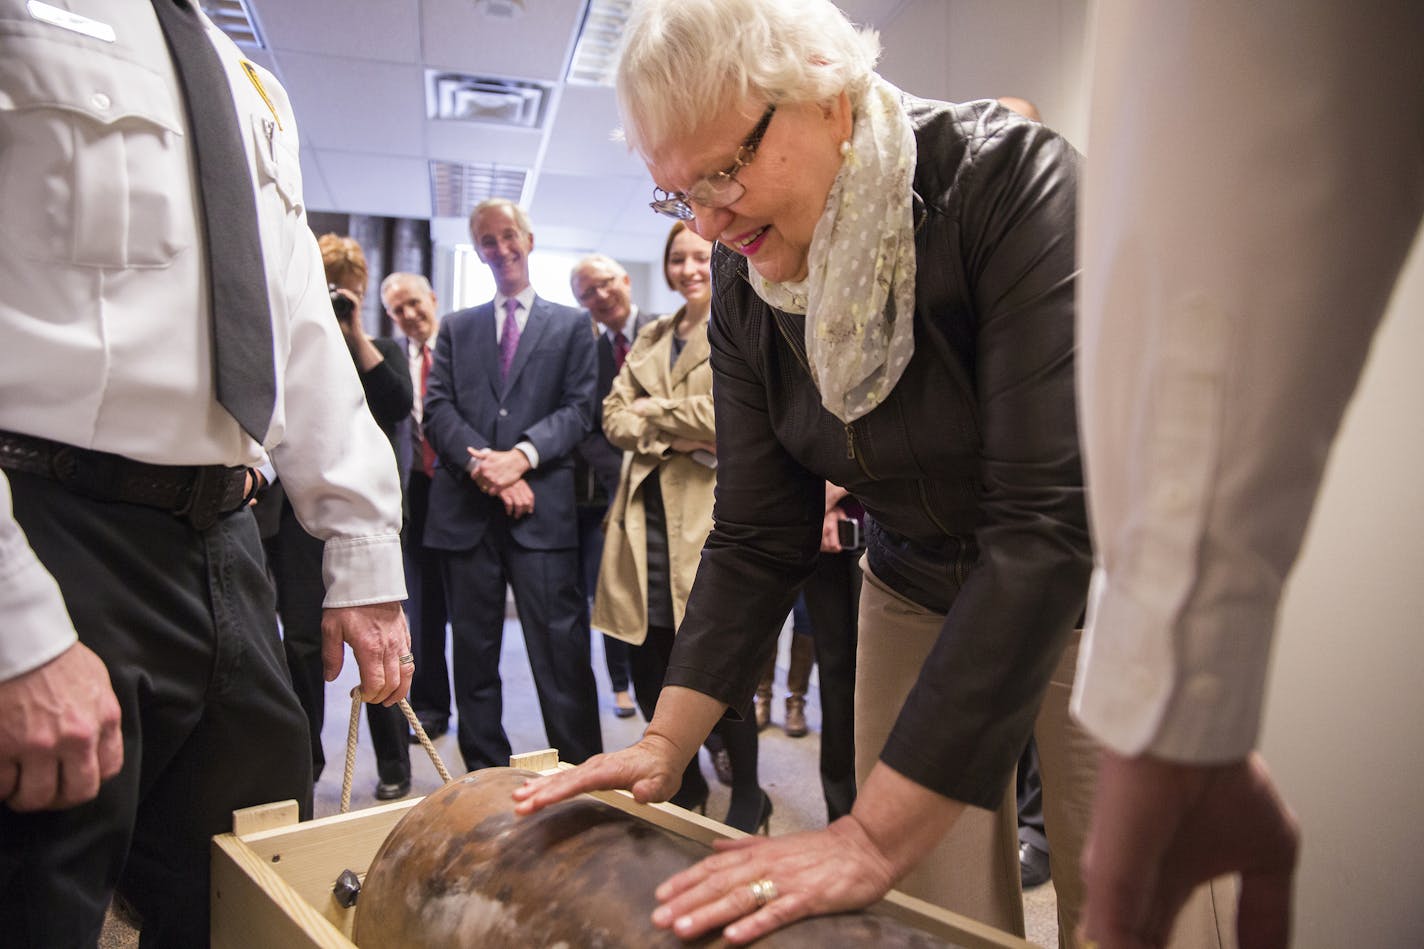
(487, 343)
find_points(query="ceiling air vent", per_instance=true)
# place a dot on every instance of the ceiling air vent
(234, 19)
(596, 53)
(511, 102)
(456, 187)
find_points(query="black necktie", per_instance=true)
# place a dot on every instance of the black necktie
(242, 322)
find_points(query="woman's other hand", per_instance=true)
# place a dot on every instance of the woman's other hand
(651, 770)
(812, 873)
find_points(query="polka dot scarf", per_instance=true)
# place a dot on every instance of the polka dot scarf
(859, 293)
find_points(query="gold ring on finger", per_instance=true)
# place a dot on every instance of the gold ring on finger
(763, 891)
(407, 660)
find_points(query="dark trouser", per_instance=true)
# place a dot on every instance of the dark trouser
(615, 651)
(1028, 787)
(650, 663)
(184, 621)
(554, 614)
(425, 609)
(294, 557)
(833, 602)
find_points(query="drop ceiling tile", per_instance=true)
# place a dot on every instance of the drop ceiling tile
(376, 184)
(354, 105)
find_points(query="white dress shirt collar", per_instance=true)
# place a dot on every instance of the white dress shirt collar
(521, 316)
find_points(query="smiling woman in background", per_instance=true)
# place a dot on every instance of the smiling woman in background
(893, 313)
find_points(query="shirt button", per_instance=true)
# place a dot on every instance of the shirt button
(100, 101)
(504, 413)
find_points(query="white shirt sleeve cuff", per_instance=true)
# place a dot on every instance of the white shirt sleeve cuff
(362, 570)
(37, 625)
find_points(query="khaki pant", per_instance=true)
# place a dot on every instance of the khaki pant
(975, 869)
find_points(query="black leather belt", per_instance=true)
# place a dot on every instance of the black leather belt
(197, 494)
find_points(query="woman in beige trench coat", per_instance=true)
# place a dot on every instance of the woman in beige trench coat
(659, 412)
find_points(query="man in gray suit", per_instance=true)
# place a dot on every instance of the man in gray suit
(509, 396)
(410, 302)
(601, 284)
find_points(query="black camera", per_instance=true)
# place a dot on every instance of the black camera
(849, 534)
(343, 306)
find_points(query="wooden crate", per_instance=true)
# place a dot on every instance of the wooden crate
(272, 876)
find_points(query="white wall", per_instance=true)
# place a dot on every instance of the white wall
(1344, 728)
(982, 49)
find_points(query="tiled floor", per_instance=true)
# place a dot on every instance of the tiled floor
(788, 766)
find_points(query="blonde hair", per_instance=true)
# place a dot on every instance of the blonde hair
(686, 60)
(344, 261)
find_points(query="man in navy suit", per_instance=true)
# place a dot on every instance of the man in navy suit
(510, 394)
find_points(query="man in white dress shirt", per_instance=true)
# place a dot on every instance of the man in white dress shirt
(143, 694)
(1257, 178)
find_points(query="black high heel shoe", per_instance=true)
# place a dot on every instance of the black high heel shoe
(764, 821)
(760, 824)
(692, 802)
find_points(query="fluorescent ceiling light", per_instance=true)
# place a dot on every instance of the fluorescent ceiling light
(456, 187)
(596, 52)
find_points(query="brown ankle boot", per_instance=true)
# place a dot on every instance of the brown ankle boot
(762, 704)
(762, 701)
(795, 716)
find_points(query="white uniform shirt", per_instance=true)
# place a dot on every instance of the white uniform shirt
(1254, 182)
(103, 301)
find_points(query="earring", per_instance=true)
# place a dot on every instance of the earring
(845, 147)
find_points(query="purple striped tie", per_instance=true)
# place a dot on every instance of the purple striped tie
(509, 338)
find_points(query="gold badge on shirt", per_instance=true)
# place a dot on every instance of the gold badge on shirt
(256, 80)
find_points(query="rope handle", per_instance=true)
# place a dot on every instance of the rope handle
(351, 733)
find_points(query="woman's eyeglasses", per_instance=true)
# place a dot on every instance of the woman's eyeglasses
(718, 190)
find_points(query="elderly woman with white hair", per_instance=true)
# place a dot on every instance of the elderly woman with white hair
(893, 313)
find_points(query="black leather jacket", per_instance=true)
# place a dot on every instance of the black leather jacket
(969, 470)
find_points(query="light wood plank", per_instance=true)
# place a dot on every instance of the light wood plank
(249, 820)
(310, 856)
(543, 761)
(253, 906)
